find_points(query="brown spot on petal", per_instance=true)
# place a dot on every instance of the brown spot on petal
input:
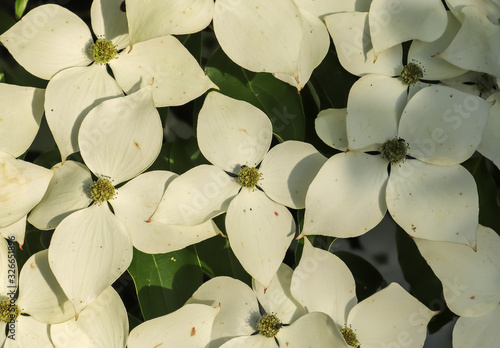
(473, 297)
(193, 331)
(137, 144)
(276, 213)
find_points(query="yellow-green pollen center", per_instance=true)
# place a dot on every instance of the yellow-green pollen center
(248, 177)
(411, 74)
(395, 150)
(8, 311)
(103, 51)
(102, 190)
(269, 325)
(350, 337)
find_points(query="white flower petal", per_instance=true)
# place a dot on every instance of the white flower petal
(232, 133)
(350, 34)
(110, 22)
(381, 319)
(260, 35)
(323, 283)
(149, 19)
(30, 333)
(68, 192)
(5, 282)
(434, 202)
(471, 279)
(287, 171)
(373, 110)
(476, 46)
(346, 198)
(21, 113)
(277, 298)
(331, 128)
(103, 324)
(196, 196)
(311, 330)
(48, 39)
(477, 332)
(490, 141)
(239, 309)
(121, 137)
(189, 326)
(40, 295)
(22, 186)
(254, 341)
(260, 232)
(89, 250)
(71, 94)
(443, 125)
(177, 77)
(313, 49)
(16, 230)
(324, 7)
(392, 23)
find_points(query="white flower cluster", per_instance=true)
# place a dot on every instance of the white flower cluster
(424, 102)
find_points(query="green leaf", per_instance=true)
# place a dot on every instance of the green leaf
(20, 6)
(425, 286)
(164, 282)
(278, 100)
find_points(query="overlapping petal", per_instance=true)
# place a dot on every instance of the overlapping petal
(109, 21)
(477, 332)
(490, 141)
(331, 128)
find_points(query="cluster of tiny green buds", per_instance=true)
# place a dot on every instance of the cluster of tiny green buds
(350, 337)
(8, 310)
(248, 177)
(395, 150)
(102, 190)
(411, 74)
(269, 325)
(103, 51)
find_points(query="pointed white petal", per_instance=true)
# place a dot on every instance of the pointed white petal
(15, 231)
(109, 21)
(177, 77)
(239, 309)
(311, 330)
(373, 110)
(260, 35)
(471, 279)
(443, 125)
(20, 116)
(477, 332)
(488, 8)
(22, 186)
(490, 141)
(68, 192)
(40, 295)
(71, 94)
(351, 36)
(476, 46)
(48, 39)
(324, 7)
(189, 326)
(149, 19)
(434, 202)
(89, 250)
(121, 137)
(379, 320)
(277, 298)
(103, 324)
(347, 197)
(30, 333)
(232, 133)
(253, 341)
(313, 49)
(423, 54)
(323, 283)
(260, 232)
(331, 127)
(392, 23)
(196, 196)
(287, 171)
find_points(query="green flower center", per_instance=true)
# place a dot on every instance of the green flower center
(8, 311)
(395, 150)
(102, 190)
(486, 84)
(103, 51)
(248, 177)
(350, 337)
(269, 325)
(411, 74)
